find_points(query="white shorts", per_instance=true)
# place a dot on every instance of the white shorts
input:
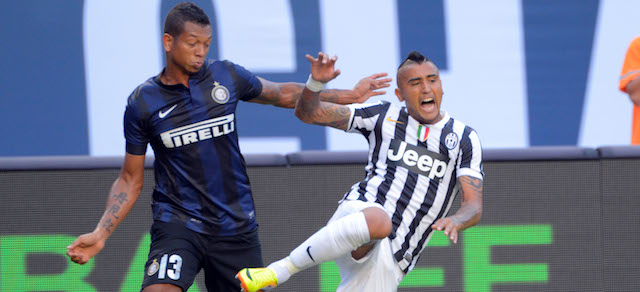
(378, 270)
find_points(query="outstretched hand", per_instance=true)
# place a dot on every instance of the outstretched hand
(323, 70)
(370, 86)
(323, 67)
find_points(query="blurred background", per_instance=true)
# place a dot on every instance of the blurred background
(522, 73)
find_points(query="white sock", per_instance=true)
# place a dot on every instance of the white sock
(332, 241)
(329, 243)
(284, 268)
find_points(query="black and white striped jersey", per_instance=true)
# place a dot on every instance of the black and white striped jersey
(412, 171)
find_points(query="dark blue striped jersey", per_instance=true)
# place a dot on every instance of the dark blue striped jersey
(200, 175)
(412, 171)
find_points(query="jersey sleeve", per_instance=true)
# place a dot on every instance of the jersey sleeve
(631, 65)
(134, 131)
(247, 84)
(470, 155)
(364, 116)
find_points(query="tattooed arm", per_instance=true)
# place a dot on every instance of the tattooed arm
(286, 94)
(122, 197)
(469, 213)
(310, 109)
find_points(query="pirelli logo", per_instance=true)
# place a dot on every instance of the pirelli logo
(199, 131)
(417, 159)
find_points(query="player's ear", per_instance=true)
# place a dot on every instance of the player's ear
(398, 94)
(167, 42)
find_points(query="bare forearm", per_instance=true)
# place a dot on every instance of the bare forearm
(121, 199)
(286, 95)
(311, 110)
(470, 212)
(307, 106)
(337, 96)
(468, 215)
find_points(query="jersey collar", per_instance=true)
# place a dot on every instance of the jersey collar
(198, 75)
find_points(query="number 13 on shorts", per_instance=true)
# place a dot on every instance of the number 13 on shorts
(169, 266)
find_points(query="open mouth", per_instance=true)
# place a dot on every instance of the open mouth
(428, 101)
(428, 105)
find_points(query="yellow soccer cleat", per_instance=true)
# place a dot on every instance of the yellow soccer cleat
(257, 279)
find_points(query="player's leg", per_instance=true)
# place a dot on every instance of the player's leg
(378, 222)
(226, 255)
(354, 224)
(379, 227)
(348, 234)
(351, 233)
(174, 258)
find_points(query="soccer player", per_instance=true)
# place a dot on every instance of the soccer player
(419, 159)
(203, 209)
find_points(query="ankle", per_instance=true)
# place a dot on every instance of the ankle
(291, 267)
(284, 269)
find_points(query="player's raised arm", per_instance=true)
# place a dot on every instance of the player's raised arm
(469, 213)
(122, 197)
(286, 94)
(309, 108)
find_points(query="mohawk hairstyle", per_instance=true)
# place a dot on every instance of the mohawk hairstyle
(181, 13)
(415, 57)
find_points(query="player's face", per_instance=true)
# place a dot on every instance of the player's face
(419, 86)
(189, 50)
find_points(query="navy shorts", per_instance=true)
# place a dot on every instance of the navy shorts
(177, 254)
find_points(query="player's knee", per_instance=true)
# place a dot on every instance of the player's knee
(378, 222)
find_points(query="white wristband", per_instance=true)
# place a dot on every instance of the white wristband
(315, 85)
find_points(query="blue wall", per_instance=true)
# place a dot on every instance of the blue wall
(558, 39)
(44, 99)
(43, 109)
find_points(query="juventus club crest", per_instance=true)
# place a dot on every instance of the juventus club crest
(451, 141)
(219, 93)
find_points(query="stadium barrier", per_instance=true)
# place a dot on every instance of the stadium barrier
(555, 219)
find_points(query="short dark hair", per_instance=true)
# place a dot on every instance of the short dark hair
(181, 13)
(415, 57)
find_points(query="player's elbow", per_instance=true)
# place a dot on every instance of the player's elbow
(136, 186)
(303, 115)
(132, 182)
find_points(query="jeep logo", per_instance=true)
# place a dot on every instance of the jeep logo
(417, 159)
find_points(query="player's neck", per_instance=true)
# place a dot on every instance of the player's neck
(437, 119)
(174, 75)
